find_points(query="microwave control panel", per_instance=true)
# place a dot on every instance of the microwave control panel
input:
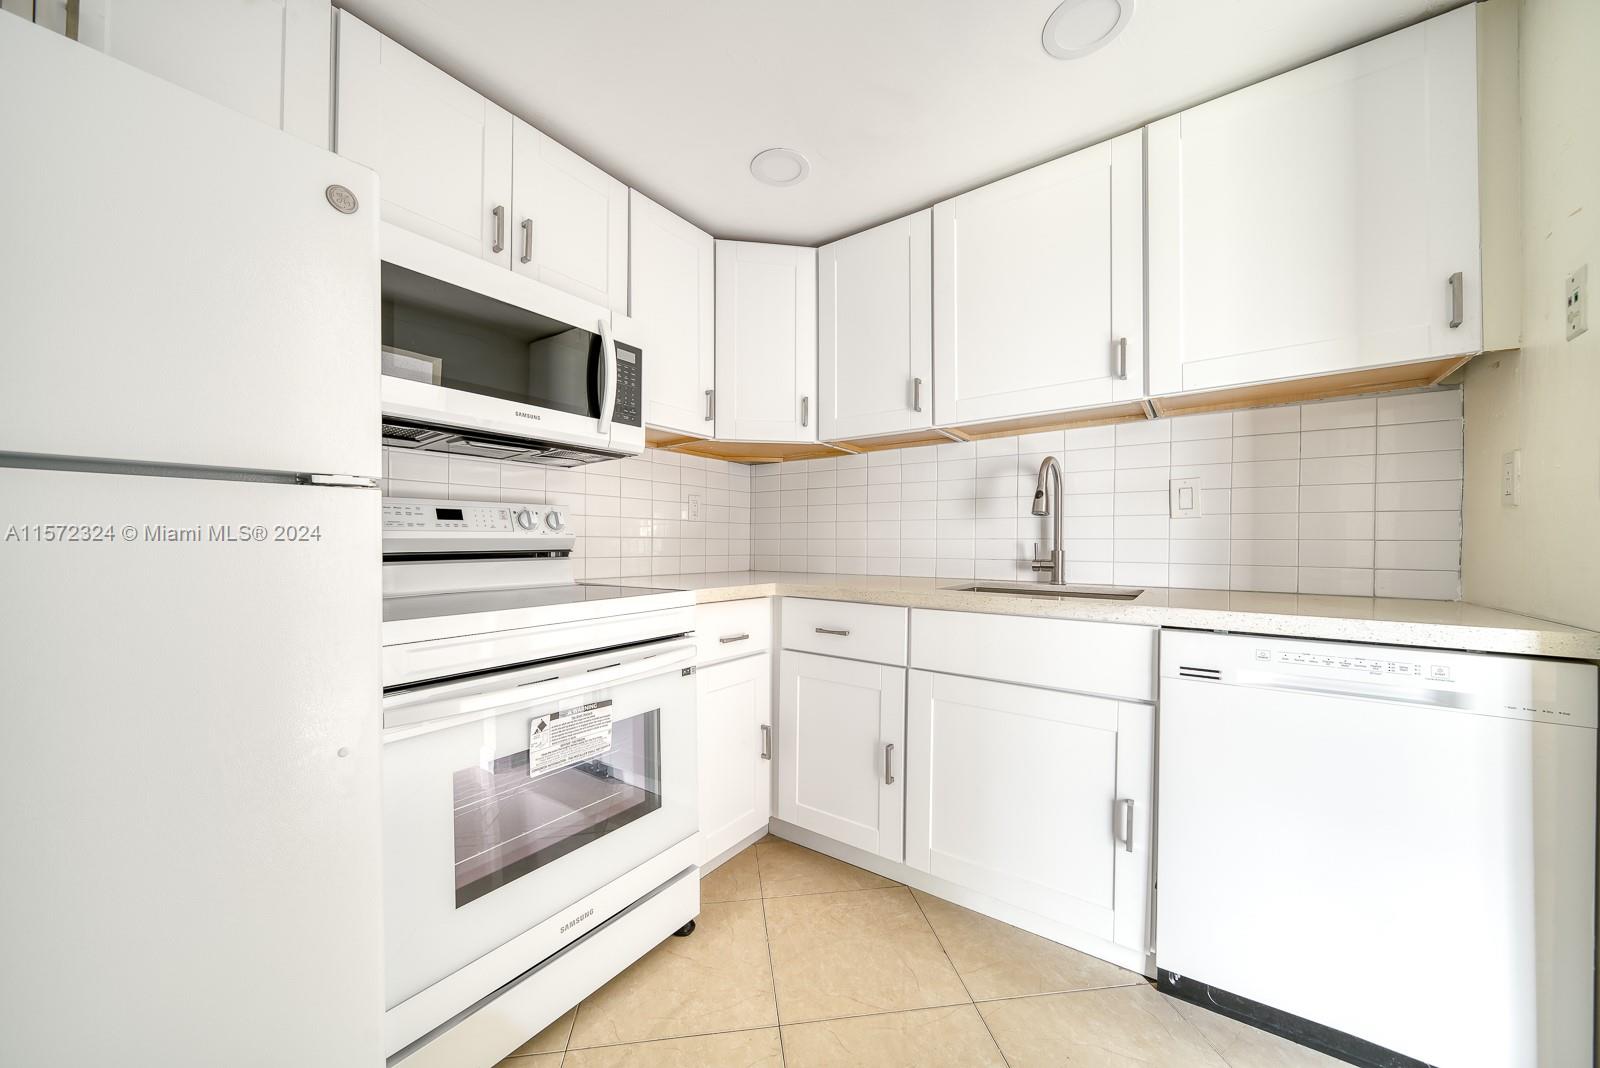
(630, 386)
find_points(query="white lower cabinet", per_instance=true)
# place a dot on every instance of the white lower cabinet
(842, 750)
(1035, 798)
(735, 752)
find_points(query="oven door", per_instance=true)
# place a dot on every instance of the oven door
(509, 797)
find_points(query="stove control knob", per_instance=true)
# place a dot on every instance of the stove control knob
(526, 520)
(556, 520)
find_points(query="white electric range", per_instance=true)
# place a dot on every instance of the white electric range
(539, 777)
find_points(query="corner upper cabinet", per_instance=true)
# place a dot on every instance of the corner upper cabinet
(571, 221)
(875, 330)
(442, 152)
(1323, 221)
(672, 266)
(1038, 289)
(268, 59)
(766, 342)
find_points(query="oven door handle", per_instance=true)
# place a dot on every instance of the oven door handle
(425, 711)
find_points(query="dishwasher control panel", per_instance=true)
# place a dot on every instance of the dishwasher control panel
(1547, 691)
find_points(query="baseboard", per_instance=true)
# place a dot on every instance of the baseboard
(1071, 937)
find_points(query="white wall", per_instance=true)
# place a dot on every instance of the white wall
(659, 513)
(1543, 557)
(1356, 497)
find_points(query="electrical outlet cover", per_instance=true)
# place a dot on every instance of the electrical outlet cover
(1577, 297)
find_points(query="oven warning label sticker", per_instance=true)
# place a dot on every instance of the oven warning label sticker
(568, 737)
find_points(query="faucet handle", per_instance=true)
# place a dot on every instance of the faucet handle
(1039, 564)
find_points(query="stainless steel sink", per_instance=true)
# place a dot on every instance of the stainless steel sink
(1043, 589)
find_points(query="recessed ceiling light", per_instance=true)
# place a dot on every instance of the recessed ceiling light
(780, 166)
(1078, 27)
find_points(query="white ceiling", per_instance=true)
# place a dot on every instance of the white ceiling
(897, 103)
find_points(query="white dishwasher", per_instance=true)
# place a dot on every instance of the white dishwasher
(1384, 853)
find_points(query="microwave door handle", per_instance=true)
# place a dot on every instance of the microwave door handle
(608, 382)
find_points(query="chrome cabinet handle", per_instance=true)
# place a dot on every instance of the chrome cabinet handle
(731, 638)
(499, 229)
(835, 633)
(527, 241)
(766, 742)
(916, 394)
(1126, 809)
(805, 411)
(711, 405)
(888, 764)
(1457, 301)
(1122, 358)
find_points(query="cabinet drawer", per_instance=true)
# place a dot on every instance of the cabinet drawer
(872, 632)
(732, 629)
(1060, 654)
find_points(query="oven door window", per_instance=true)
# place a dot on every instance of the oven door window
(517, 812)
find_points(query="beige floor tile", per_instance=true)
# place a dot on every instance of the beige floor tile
(717, 979)
(788, 869)
(847, 954)
(552, 1039)
(736, 879)
(538, 1060)
(1243, 1046)
(1118, 1028)
(953, 1037)
(737, 1049)
(997, 960)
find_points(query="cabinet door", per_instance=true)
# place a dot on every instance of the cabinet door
(268, 59)
(572, 220)
(1024, 795)
(1311, 223)
(1038, 288)
(442, 152)
(841, 750)
(735, 733)
(875, 330)
(766, 342)
(672, 268)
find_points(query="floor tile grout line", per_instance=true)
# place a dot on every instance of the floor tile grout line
(672, 1038)
(772, 965)
(960, 978)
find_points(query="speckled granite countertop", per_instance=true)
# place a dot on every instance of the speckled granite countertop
(1382, 621)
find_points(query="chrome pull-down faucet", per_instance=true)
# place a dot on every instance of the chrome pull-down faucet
(1050, 478)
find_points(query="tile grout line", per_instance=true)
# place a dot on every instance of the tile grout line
(959, 977)
(772, 967)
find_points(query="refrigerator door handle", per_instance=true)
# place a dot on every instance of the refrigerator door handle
(341, 481)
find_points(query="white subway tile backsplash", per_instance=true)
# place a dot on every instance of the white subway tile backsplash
(1272, 553)
(1267, 421)
(1144, 432)
(1420, 437)
(1336, 415)
(1347, 498)
(1354, 441)
(1422, 585)
(1267, 447)
(1198, 576)
(1196, 427)
(1432, 406)
(1263, 579)
(1419, 526)
(1419, 466)
(1355, 526)
(1340, 554)
(1341, 581)
(1337, 470)
(1419, 496)
(1266, 473)
(1269, 499)
(1419, 555)
(1202, 451)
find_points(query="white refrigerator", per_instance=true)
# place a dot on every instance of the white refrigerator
(189, 578)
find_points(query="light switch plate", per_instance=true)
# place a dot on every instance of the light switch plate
(1577, 302)
(694, 505)
(1184, 495)
(1511, 478)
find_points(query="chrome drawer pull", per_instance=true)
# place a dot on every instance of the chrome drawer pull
(888, 764)
(831, 630)
(766, 742)
(731, 638)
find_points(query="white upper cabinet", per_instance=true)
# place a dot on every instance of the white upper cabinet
(1313, 223)
(672, 267)
(766, 342)
(875, 330)
(442, 152)
(572, 220)
(1038, 289)
(268, 59)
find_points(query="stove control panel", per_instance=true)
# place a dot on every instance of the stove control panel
(415, 525)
